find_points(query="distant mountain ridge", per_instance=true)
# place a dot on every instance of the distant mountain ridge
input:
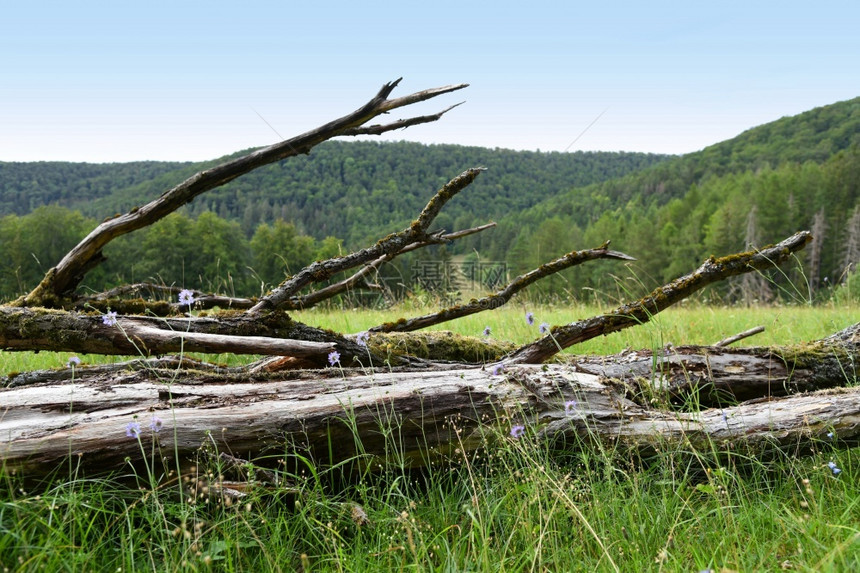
(377, 185)
(26, 186)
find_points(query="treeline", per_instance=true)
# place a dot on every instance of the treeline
(206, 252)
(718, 216)
(795, 173)
(27, 186)
(352, 190)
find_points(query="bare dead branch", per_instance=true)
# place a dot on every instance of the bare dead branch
(641, 311)
(740, 336)
(207, 301)
(379, 129)
(314, 298)
(151, 341)
(322, 270)
(60, 282)
(503, 296)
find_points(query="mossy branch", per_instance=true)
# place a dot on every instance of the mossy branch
(115, 299)
(392, 244)
(641, 311)
(501, 297)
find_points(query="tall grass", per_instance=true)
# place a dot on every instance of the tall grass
(694, 324)
(516, 505)
(520, 506)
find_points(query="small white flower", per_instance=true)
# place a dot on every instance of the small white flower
(186, 297)
(362, 338)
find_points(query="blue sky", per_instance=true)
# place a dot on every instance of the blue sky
(116, 81)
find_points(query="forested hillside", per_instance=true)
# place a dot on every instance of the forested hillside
(352, 190)
(796, 173)
(26, 186)
(800, 172)
(273, 220)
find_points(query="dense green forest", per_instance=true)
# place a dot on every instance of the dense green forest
(801, 172)
(352, 190)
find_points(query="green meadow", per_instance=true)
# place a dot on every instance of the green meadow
(518, 506)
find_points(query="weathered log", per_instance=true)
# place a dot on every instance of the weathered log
(337, 414)
(273, 333)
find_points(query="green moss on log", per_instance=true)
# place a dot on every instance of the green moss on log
(439, 345)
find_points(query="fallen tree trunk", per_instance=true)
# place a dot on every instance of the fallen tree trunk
(336, 415)
(99, 415)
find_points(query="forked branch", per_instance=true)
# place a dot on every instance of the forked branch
(316, 297)
(322, 270)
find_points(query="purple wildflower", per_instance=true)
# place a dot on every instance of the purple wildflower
(186, 297)
(497, 369)
(132, 430)
(73, 361)
(362, 338)
(831, 435)
(517, 431)
(832, 465)
(530, 318)
(543, 328)
(155, 424)
(334, 357)
(487, 331)
(109, 319)
(569, 407)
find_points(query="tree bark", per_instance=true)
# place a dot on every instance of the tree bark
(335, 415)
